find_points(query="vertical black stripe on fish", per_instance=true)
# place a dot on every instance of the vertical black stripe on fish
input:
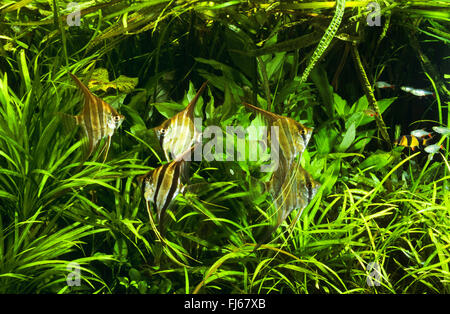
(303, 135)
(285, 139)
(88, 124)
(94, 122)
(309, 186)
(98, 117)
(161, 137)
(159, 179)
(409, 141)
(173, 185)
(102, 115)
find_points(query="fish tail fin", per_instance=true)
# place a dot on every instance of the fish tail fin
(190, 107)
(69, 122)
(69, 125)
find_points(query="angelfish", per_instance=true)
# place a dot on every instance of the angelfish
(291, 186)
(162, 185)
(296, 193)
(179, 133)
(98, 119)
(293, 137)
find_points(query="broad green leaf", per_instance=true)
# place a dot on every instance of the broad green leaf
(340, 105)
(348, 139)
(168, 109)
(377, 160)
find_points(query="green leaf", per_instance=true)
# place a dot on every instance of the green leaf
(348, 139)
(383, 104)
(169, 109)
(319, 77)
(142, 287)
(134, 274)
(100, 81)
(377, 160)
(325, 139)
(120, 250)
(340, 105)
(275, 64)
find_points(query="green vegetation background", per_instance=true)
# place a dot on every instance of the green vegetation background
(377, 204)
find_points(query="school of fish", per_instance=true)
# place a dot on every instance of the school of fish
(290, 186)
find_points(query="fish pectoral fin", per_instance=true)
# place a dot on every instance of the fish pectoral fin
(196, 188)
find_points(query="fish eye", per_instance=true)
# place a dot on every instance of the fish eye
(117, 118)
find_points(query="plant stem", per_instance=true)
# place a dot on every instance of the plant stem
(369, 94)
(58, 24)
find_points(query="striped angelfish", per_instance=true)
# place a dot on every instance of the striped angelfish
(98, 120)
(162, 185)
(296, 192)
(179, 133)
(293, 137)
(291, 186)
